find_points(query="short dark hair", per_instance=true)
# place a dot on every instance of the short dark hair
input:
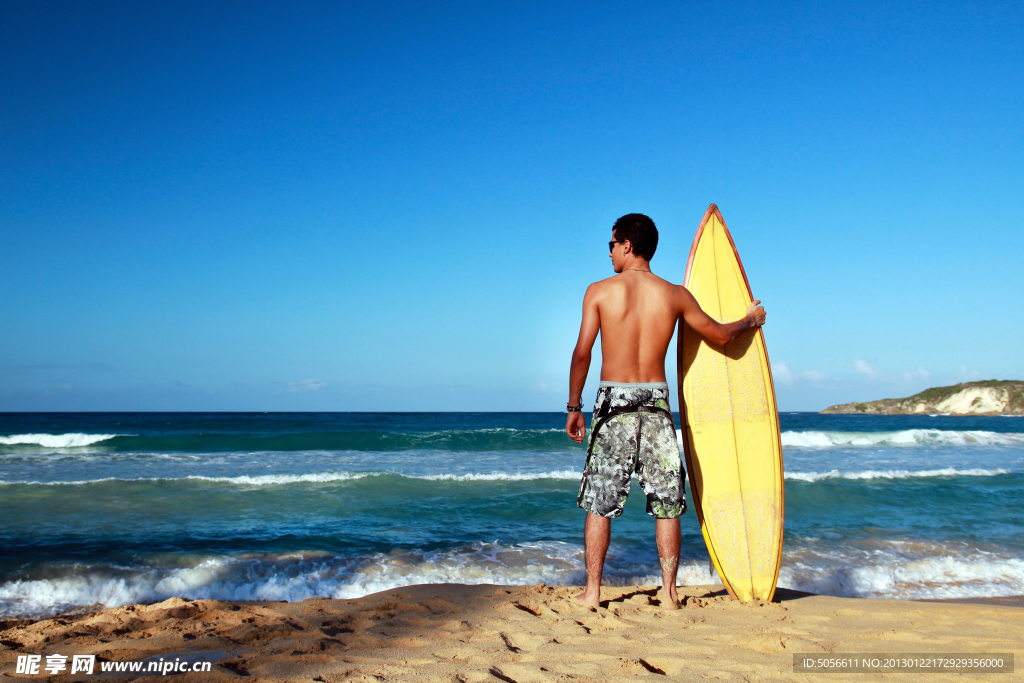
(641, 233)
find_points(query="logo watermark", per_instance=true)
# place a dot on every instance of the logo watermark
(34, 665)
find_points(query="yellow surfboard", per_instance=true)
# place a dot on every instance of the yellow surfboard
(730, 423)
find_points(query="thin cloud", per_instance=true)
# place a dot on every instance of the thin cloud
(782, 374)
(815, 375)
(877, 374)
(306, 385)
(862, 367)
(919, 374)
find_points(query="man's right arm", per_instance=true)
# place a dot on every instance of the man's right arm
(720, 333)
(575, 425)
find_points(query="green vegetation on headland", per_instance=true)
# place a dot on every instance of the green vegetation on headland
(988, 397)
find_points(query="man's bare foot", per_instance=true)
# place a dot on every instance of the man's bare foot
(594, 600)
(669, 599)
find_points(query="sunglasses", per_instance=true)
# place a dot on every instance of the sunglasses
(612, 243)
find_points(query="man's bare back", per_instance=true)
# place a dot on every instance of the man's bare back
(636, 313)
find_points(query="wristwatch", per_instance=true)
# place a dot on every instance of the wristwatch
(574, 409)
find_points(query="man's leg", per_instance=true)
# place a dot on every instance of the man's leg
(660, 471)
(667, 534)
(597, 533)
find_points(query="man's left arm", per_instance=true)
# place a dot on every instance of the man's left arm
(711, 329)
(575, 424)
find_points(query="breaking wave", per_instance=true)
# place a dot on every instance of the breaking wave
(56, 440)
(902, 570)
(499, 439)
(906, 437)
(320, 477)
(893, 474)
(301, 575)
(891, 572)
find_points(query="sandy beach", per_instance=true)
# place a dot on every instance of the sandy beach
(450, 632)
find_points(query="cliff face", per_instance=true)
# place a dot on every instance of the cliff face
(990, 397)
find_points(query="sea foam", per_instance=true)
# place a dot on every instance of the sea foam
(894, 474)
(886, 572)
(565, 475)
(317, 477)
(301, 575)
(904, 570)
(906, 437)
(56, 440)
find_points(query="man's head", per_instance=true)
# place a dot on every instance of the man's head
(635, 236)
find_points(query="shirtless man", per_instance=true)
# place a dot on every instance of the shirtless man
(632, 428)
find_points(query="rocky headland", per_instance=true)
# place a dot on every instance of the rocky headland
(988, 397)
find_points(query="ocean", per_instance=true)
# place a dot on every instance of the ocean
(108, 509)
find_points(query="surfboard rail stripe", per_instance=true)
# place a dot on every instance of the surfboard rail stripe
(713, 210)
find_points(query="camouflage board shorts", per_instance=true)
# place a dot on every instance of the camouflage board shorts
(632, 430)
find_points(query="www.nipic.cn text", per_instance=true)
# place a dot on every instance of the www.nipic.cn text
(32, 665)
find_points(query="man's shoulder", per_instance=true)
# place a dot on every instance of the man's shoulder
(666, 283)
(663, 284)
(618, 281)
(602, 285)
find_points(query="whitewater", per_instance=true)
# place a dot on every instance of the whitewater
(113, 509)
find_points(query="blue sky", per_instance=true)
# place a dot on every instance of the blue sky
(320, 206)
